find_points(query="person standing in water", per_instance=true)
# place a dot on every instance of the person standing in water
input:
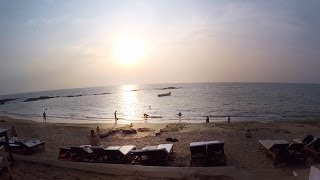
(229, 119)
(115, 117)
(207, 120)
(179, 114)
(44, 116)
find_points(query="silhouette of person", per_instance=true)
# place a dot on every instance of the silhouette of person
(248, 134)
(179, 114)
(44, 116)
(229, 119)
(207, 120)
(93, 139)
(13, 132)
(98, 130)
(115, 117)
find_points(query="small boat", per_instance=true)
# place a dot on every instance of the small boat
(165, 94)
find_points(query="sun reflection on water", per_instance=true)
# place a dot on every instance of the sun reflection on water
(129, 102)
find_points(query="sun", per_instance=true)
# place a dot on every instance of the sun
(129, 50)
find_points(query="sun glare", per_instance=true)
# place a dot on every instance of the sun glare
(129, 51)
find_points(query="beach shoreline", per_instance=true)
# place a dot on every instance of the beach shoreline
(157, 120)
(241, 152)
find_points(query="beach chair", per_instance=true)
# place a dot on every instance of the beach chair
(4, 160)
(215, 151)
(198, 151)
(119, 153)
(308, 139)
(296, 151)
(30, 146)
(82, 153)
(153, 154)
(275, 149)
(313, 151)
(100, 152)
(160, 154)
(208, 151)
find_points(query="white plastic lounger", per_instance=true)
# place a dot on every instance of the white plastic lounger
(126, 149)
(154, 154)
(268, 144)
(167, 147)
(118, 153)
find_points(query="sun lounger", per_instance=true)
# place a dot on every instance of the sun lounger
(208, 151)
(82, 153)
(28, 146)
(118, 153)
(153, 154)
(160, 153)
(282, 149)
(215, 151)
(313, 151)
(100, 152)
(274, 148)
(308, 139)
(198, 150)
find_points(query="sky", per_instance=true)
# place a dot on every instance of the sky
(52, 44)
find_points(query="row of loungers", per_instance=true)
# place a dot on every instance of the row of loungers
(23, 146)
(307, 149)
(117, 154)
(151, 155)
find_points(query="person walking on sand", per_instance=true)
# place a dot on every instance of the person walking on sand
(115, 117)
(44, 116)
(229, 119)
(94, 139)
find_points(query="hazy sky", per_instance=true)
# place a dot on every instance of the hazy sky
(53, 44)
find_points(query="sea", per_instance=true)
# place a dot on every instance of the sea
(195, 101)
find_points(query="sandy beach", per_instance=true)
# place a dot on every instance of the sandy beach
(241, 152)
